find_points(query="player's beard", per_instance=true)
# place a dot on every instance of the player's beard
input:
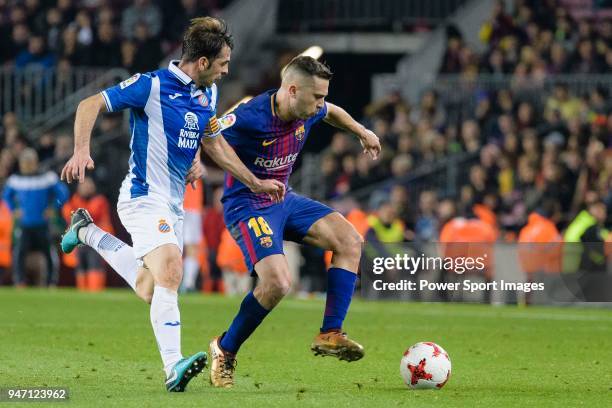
(298, 113)
(205, 80)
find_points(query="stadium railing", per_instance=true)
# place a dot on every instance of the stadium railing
(369, 15)
(442, 176)
(43, 98)
(458, 87)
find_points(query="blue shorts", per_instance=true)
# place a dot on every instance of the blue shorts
(260, 232)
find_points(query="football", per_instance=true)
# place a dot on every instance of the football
(425, 365)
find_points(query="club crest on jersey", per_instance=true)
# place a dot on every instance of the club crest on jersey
(191, 121)
(299, 133)
(163, 226)
(227, 121)
(265, 242)
(203, 100)
(129, 81)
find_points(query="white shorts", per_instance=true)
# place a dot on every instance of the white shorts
(192, 230)
(151, 224)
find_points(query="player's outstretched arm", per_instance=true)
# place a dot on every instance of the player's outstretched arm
(224, 155)
(338, 117)
(86, 115)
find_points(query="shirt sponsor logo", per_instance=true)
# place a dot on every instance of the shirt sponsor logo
(188, 136)
(277, 162)
(191, 121)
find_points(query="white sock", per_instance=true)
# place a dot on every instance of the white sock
(166, 322)
(119, 255)
(190, 272)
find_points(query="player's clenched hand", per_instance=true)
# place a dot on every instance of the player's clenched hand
(196, 171)
(370, 143)
(274, 188)
(75, 167)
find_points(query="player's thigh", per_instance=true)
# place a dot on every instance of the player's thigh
(333, 232)
(166, 265)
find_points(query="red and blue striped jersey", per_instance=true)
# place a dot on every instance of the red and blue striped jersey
(267, 145)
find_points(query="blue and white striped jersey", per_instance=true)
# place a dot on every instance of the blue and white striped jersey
(169, 117)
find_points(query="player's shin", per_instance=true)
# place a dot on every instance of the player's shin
(249, 317)
(119, 255)
(340, 288)
(166, 322)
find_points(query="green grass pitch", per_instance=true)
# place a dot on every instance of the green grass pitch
(101, 347)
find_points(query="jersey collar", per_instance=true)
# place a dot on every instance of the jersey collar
(179, 73)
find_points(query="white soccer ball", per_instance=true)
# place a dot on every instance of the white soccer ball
(425, 365)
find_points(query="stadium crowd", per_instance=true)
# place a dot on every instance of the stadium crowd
(132, 34)
(532, 146)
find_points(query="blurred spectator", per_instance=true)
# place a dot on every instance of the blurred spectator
(84, 29)
(589, 229)
(108, 49)
(213, 226)
(128, 55)
(33, 197)
(141, 11)
(469, 236)
(89, 271)
(385, 226)
(36, 56)
(177, 19)
(236, 278)
(53, 28)
(148, 49)
(426, 223)
(6, 238)
(192, 234)
(540, 248)
(72, 50)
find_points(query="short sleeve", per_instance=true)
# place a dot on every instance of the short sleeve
(131, 93)
(230, 127)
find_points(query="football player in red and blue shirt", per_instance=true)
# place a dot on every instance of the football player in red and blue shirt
(267, 133)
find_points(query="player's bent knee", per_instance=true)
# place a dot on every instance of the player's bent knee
(275, 285)
(349, 244)
(281, 286)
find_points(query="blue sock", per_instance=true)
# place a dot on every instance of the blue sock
(340, 288)
(250, 315)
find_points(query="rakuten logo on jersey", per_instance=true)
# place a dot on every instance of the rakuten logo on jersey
(277, 162)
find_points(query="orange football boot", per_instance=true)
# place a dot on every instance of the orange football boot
(337, 344)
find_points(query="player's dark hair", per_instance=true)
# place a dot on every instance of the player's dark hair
(205, 37)
(310, 66)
